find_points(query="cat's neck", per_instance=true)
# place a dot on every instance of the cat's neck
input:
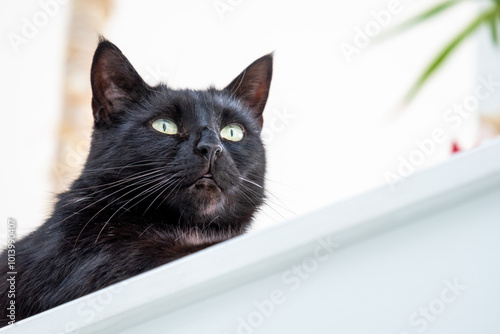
(89, 217)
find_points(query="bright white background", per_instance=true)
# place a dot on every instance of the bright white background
(346, 130)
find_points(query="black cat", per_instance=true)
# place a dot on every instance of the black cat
(169, 173)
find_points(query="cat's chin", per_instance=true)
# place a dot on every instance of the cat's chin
(206, 197)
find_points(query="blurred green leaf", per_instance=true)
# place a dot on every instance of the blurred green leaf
(484, 17)
(493, 28)
(422, 17)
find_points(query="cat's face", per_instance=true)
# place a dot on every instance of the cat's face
(198, 153)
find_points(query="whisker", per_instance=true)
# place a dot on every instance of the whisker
(162, 192)
(265, 213)
(255, 184)
(146, 179)
(251, 191)
(277, 200)
(121, 207)
(147, 228)
(152, 189)
(117, 182)
(210, 223)
(103, 198)
(131, 165)
(175, 186)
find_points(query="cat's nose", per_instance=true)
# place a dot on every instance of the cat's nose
(210, 147)
(210, 151)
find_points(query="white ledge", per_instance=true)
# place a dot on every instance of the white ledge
(222, 277)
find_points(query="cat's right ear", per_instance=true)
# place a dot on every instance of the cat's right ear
(114, 81)
(252, 85)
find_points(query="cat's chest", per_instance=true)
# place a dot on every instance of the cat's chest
(160, 238)
(167, 246)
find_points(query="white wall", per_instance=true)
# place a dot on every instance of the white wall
(30, 91)
(345, 132)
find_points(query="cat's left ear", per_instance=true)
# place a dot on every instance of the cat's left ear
(252, 85)
(114, 82)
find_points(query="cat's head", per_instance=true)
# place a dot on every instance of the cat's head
(195, 153)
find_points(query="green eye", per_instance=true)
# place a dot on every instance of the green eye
(232, 132)
(165, 126)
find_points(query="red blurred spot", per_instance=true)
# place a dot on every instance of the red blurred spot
(455, 148)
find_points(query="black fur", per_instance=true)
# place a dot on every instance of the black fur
(145, 198)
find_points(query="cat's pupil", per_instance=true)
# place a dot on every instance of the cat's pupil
(164, 127)
(231, 132)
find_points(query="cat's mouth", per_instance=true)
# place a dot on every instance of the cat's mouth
(206, 182)
(206, 195)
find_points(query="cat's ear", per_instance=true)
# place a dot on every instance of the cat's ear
(114, 81)
(252, 85)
